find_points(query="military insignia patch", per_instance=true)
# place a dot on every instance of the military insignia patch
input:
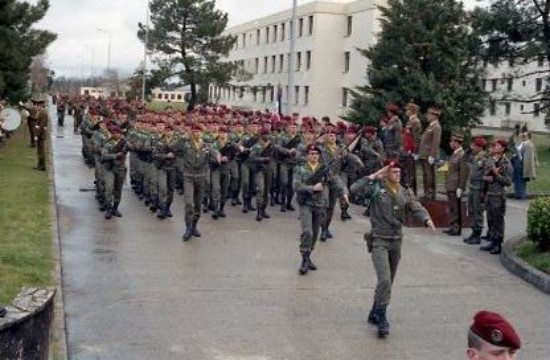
(496, 336)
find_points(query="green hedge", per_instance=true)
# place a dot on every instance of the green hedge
(538, 223)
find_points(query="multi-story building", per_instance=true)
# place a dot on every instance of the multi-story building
(509, 82)
(170, 95)
(326, 62)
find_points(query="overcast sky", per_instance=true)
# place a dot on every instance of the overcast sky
(81, 46)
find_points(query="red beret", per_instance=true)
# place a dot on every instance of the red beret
(480, 142)
(308, 129)
(495, 329)
(265, 131)
(222, 129)
(370, 130)
(351, 130)
(392, 163)
(331, 130)
(502, 142)
(393, 108)
(197, 126)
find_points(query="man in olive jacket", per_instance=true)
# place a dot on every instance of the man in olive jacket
(389, 205)
(428, 151)
(455, 183)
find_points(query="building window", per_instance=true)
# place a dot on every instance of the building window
(306, 95)
(290, 29)
(523, 83)
(265, 64)
(536, 110)
(511, 61)
(310, 25)
(510, 84)
(172, 96)
(492, 107)
(308, 59)
(484, 84)
(275, 28)
(283, 32)
(271, 94)
(298, 61)
(296, 95)
(507, 108)
(165, 96)
(281, 62)
(256, 65)
(273, 61)
(159, 96)
(539, 84)
(267, 35)
(244, 40)
(288, 65)
(255, 93)
(349, 25)
(258, 37)
(345, 97)
(540, 60)
(346, 61)
(485, 63)
(522, 107)
(264, 89)
(494, 83)
(300, 27)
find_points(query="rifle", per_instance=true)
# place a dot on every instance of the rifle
(248, 144)
(292, 143)
(267, 152)
(319, 176)
(228, 150)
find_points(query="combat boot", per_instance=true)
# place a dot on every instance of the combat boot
(488, 246)
(245, 205)
(108, 213)
(310, 265)
(188, 232)
(373, 315)
(221, 212)
(323, 237)
(259, 216)
(167, 211)
(272, 200)
(162, 212)
(344, 213)
(473, 239)
(283, 203)
(250, 206)
(497, 247)
(289, 206)
(329, 233)
(264, 213)
(304, 267)
(115, 210)
(234, 198)
(205, 205)
(194, 229)
(215, 213)
(383, 325)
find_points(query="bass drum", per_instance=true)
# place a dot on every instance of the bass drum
(12, 119)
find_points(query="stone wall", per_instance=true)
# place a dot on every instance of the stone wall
(26, 328)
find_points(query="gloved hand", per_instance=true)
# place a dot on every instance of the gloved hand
(458, 193)
(431, 160)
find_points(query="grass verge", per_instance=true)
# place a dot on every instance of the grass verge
(162, 105)
(25, 228)
(529, 252)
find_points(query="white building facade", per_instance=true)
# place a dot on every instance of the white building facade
(175, 96)
(507, 82)
(326, 62)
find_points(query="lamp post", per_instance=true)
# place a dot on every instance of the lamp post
(108, 47)
(291, 59)
(144, 77)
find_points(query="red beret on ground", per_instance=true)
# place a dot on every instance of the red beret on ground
(495, 329)
(393, 108)
(313, 147)
(392, 163)
(480, 142)
(370, 130)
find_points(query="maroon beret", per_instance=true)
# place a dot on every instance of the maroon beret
(495, 329)
(392, 163)
(265, 131)
(313, 147)
(393, 108)
(222, 129)
(480, 141)
(370, 130)
(502, 142)
(197, 126)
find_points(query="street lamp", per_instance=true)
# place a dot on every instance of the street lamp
(291, 59)
(144, 78)
(108, 47)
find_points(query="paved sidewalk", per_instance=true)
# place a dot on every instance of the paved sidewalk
(134, 290)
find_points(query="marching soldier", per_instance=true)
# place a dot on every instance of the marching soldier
(456, 183)
(478, 168)
(428, 151)
(220, 173)
(113, 156)
(164, 160)
(390, 203)
(497, 179)
(287, 167)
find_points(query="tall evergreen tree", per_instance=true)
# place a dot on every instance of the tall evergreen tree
(518, 31)
(190, 34)
(426, 51)
(19, 44)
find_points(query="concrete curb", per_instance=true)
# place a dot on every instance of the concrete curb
(521, 268)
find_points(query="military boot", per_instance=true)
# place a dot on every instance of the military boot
(250, 206)
(245, 205)
(323, 237)
(497, 247)
(289, 206)
(108, 213)
(272, 199)
(194, 229)
(115, 209)
(283, 203)
(473, 239)
(329, 233)
(259, 216)
(383, 325)
(304, 267)
(373, 315)
(310, 265)
(488, 246)
(216, 213)
(162, 212)
(188, 232)
(221, 212)
(167, 211)
(344, 213)
(205, 206)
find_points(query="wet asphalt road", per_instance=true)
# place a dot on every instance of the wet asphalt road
(134, 290)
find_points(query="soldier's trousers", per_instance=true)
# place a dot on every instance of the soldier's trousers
(77, 123)
(220, 185)
(409, 165)
(386, 254)
(475, 210)
(286, 177)
(41, 153)
(179, 174)
(428, 178)
(194, 192)
(114, 180)
(32, 131)
(152, 181)
(99, 177)
(245, 181)
(167, 179)
(311, 219)
(453, 203)
(262, 180)
(496, 209)
(332, 198)
(235, 171)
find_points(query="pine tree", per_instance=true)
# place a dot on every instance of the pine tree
(427, 52)
(190, 34)
(19, 44)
